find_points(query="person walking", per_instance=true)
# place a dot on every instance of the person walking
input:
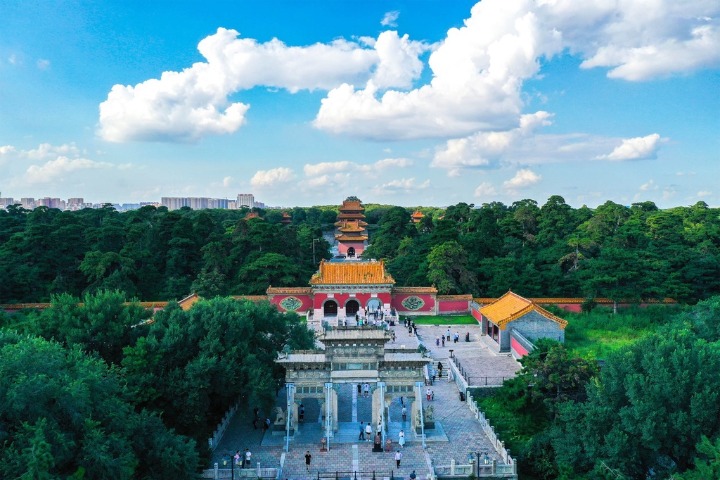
(362, 431)
(368, 431)
(248, 456)
(404, 414)
(442, 339)
(401, 438)
(398, 457)
(308, 457)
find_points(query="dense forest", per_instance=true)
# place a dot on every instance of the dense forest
(99, 390)
(554, 250)
(651, 411)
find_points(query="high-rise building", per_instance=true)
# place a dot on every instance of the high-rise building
(245, 200)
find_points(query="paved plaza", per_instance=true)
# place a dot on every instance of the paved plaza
(456, 436)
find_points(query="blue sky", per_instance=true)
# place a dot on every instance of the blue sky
(399, 102)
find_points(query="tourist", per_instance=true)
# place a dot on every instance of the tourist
(401, 438)
(427, 394)
(237, 458)
(437, 341)
(308, 457)
(447, 334)
(368, 431)
(366, 390)
(301, 413)
(443, 340)
(362, 431)
(248, 456)
(379, 428)
(402, 401)
(398, 457)
(404, 413)
(413, 476)
(432, 395)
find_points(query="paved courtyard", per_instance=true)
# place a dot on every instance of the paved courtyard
(457, 435)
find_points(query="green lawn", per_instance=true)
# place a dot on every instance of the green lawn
(441, 319)
(599, 333)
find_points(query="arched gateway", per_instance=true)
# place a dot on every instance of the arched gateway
(358, 356)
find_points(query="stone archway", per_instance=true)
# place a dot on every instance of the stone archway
(330, 308)
(351, 252)
(352, 307)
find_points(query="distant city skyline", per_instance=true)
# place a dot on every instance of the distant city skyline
(400, 102)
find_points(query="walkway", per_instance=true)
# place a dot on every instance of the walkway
(457, 436)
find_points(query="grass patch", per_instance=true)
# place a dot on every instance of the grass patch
(441, 319)
(599, 333)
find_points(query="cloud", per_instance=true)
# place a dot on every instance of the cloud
(477, 74)
(228, 182)
(637, 148)
(485, 148)
(485, 190)
(7, 149)
(390, 19)
(649, 185)
(703, 193)
(346, 167)
(523, 178)
(479, 69)
(54, 169)
(42, 64)
(192, 103)
(274, 176)
(405, 185)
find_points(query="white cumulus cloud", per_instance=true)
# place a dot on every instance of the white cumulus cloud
(523, 178)
(186, 105)
(478, 70)
(637, 148)
(54, 169)
(405, 185)
(485, 190)
(274, 176)
(485, 148)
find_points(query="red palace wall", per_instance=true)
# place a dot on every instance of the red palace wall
(452, 306)
(427, 298)
(519, 350)
(476, 314)
(305, 299)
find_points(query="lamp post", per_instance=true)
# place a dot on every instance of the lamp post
(226, 457)
(313, 247)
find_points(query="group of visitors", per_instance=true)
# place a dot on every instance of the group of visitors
(242, 460)
(265, 423)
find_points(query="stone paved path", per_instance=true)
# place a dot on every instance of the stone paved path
(458, 436)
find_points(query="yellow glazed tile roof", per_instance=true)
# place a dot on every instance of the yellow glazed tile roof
(351, 273)
(511, 306)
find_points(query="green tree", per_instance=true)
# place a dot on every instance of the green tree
(447, 269)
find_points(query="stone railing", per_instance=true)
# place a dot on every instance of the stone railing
(252, 473)
(490, 432)
(222, 426)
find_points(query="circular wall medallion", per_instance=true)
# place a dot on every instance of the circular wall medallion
(290, 303)
(413, 303)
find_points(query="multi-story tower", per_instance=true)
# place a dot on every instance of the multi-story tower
(351, 233)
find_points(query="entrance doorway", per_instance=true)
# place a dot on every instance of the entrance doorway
(330, 309)
(351, 307)
(373, 304)
(351, 252)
